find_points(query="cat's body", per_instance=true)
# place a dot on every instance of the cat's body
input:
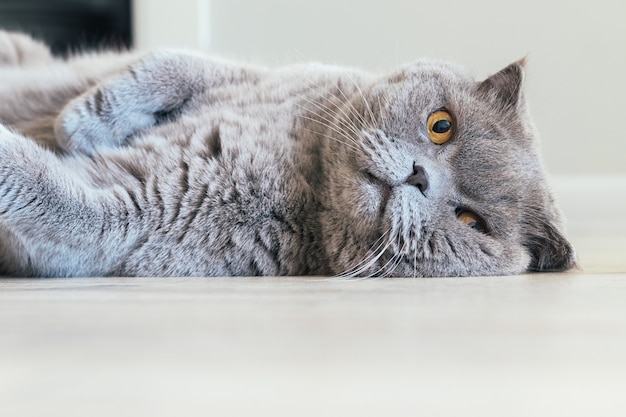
(178, 164)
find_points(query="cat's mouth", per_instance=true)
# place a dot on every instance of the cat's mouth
(373, 178)
(382, 185)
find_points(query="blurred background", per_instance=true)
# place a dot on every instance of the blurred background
(70, 25)
(576, 50)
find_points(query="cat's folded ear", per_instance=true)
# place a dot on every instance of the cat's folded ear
(505, 89)
(549, 249)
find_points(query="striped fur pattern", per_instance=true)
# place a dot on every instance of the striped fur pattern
(177, 164)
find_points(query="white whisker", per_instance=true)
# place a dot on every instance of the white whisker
(367, 104)
(333, 113)
(351, 108)
(390, 265)
(331, 125)
(338, 140)
(345, 100)
(415, 263)
(368, 261)
(332, 138)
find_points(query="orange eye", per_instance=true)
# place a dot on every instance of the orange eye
(440, 127)
(472, 220)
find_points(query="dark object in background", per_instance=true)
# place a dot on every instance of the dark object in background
(71, 25)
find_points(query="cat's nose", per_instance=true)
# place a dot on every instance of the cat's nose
(419, 178)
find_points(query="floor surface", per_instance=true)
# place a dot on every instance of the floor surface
(532, 345)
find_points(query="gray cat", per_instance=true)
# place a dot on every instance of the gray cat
(175, 164)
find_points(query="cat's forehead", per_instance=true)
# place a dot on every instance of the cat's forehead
(434, 74)
(425, 86)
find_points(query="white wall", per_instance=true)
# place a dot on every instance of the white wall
(167, 23)
(577, 51)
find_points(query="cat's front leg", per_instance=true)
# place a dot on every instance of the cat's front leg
(18, 49)
(54, 222)
(147, 92)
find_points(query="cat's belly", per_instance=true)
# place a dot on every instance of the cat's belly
(219, 199)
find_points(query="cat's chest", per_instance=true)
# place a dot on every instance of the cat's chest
(232, 191)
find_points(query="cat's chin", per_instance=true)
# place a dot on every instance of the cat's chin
(408, 265)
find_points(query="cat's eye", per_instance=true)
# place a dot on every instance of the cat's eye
(473, 220)
(440, 127)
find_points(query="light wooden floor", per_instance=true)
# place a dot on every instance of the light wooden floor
(535, 345)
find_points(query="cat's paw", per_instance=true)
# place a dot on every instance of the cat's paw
(17, 49)
(75, 131)
(95, 120)
(153, 89)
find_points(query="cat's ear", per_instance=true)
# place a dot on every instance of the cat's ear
(505, 88)
(549, 249)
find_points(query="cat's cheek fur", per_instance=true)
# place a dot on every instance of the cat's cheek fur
(369, 198)
(426, 239)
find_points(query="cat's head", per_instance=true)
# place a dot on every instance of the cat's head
(432, 173)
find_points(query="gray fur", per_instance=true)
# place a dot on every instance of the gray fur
(176, 164)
